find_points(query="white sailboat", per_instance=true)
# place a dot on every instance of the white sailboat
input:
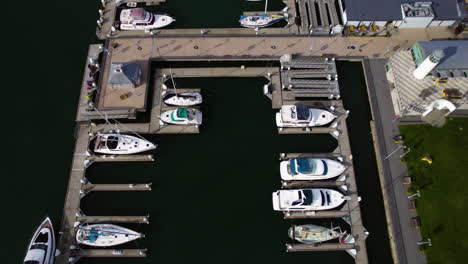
(121, 144)
(140, 19)
(182, 99)
(41, 249)
(304, 169)
(105, 235)
(260, 21)
(302, 116)
(314, 199)
(311, 234)
(182, 116)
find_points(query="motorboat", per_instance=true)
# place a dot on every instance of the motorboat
(105, 235)
(183, 99)
(349, 239)
(140, 19)
(304, 169)
(260, 21)
(302, 116)
(121, 144)
(182, 116)
(311, 234)
(41, 249)
(307, 199)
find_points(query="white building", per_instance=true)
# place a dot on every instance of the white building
(402, 13)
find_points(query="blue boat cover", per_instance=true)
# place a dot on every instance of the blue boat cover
(303, 112)
(304, 166)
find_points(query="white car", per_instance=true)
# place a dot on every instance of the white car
(307, 199)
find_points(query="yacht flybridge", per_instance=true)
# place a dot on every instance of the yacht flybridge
(302, 116)
(121, 144)
(307, 199)
(310, 169)
(311, 234)
(140, 19)
(41, 249)
(105, 235)
(182, 116)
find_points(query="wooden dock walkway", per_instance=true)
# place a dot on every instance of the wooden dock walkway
(319, 247)
(112, 219)
(110, 253)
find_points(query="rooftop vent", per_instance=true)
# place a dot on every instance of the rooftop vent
(417, 9)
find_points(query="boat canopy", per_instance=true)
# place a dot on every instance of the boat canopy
(303, 112)
(112, 142)
(305, 198)
(307, 166)
(182, 112)
(137, 13)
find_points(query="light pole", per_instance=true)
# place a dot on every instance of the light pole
(427, 242)
(417, 193)
(393, 152)
(402, 155)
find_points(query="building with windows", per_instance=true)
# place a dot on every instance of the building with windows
(402, 13)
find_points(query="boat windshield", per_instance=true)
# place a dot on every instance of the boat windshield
(182, 113)
(112, 142)
(303, 112)
(305, 198)
(303, 166)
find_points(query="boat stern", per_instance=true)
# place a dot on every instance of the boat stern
(276, 200)
(284, 172)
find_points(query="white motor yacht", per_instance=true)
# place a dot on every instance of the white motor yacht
(140, 19)
(121, 144)
(182, 116)
(105, 235)
(302, 116)
(304, 169)
(41, 249)
(307, 199)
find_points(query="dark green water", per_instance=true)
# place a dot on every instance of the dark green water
(44, 60)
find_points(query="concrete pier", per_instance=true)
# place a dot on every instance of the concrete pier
(110, 253)
(319, 247)
(113, 219)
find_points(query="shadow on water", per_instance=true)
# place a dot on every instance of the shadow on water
(211, 198)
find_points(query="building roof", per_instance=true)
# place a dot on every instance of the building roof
(125, 73)
(385, 10)
(456, 53)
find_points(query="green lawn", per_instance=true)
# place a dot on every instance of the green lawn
(443, 205)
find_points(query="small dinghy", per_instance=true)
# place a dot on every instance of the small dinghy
(259, 21)
(182, 116)
(311, 234)
(105, 235)
(307, 199)
(140, 19)
(304, 169)
(302, 116)
(41, 249)
(349, 239)
(183, 99)
(121, 144)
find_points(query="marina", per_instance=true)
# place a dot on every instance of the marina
(253, 122)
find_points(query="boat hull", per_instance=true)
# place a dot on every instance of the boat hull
(194, 118)
(44, 237)
(318, 117)
(160, 22)
(125, 144)
(183, 99)
(334, 169)
(109, 235)
(260, 22)
(311, 234)
(323, 199)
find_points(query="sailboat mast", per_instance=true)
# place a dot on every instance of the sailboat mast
(266, 5)
(173, 83)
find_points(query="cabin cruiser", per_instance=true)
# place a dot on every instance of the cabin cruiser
(302, 116)
(182, 116)
(307, 199)
(121, 144)
(183, 99)
(311, 234)
(304, 169)
(105, 235)
(41, 249)
(260, 21)
(140, 19)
